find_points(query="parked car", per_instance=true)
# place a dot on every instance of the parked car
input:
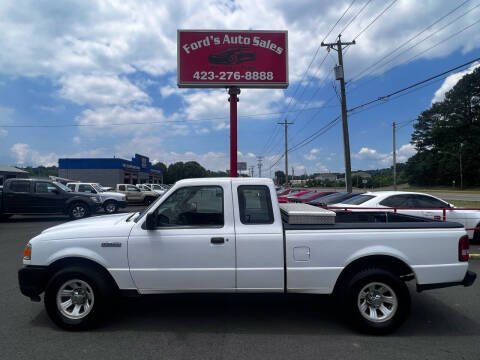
(135, 195)
(309, 196)
(284, 198)
(43, 196)
(111, 201)
(232, 56)
(418, 204)
(158, 188)
(229, 235)
(333, 198)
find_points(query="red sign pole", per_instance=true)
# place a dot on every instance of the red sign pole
(233, 92)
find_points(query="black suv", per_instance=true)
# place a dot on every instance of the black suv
(42, 196)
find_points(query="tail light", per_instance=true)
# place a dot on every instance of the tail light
(463, 248)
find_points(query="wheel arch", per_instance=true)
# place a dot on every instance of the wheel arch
(387, 262)
(72, 261)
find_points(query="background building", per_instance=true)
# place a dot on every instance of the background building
(110, 171)
(7, 172)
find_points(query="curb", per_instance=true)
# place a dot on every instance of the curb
(475, 256)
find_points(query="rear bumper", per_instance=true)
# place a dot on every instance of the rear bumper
(32, 281)
(468, 280)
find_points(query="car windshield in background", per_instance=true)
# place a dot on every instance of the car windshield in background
(63, 187)
(357, 200)
(329, 199)
(306, 196)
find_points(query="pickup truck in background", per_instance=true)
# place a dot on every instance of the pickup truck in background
(111, 201)
(42, 196)
(135, 195)
(230, 235)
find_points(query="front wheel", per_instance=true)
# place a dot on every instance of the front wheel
(78, 211)
(110, 207)
(376, 300)
(75, 298)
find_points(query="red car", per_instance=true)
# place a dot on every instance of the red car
(309, 196)
(284, 198)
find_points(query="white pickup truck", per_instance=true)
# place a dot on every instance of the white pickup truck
(228, 235)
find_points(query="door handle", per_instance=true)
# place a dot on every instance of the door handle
(217, 240)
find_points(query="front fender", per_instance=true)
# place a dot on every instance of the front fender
(76, 251)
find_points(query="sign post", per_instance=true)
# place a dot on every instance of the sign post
(232, 59)
(233, 92)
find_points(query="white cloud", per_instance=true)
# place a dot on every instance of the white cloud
(375, 158)
(451, 81)
(3, 133)
(24, 156)
(127, 116)
(100, 90)
(76, 139)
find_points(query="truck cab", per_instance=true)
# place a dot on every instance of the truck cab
(110, 201)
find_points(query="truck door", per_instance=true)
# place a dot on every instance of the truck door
(193, 246)
(133, 193)
(47, 198)
(17, 197)
(259, 239)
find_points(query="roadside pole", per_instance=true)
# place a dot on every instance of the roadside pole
(285, 124)
(339, 75)
(233, 99)
(394, 158)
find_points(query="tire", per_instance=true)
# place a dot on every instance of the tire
(375, 301)
(110, 207)
(78, 210)
(88, 305)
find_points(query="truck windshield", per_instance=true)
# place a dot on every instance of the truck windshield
(98, 188)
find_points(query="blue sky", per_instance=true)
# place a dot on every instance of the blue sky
(93, 63)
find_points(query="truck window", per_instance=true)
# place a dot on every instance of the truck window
(71, 187)
(45, 188)
(121, 187)
(20, 186)
(255, 204)
(197, 206)
(132, 188)
(85, 188)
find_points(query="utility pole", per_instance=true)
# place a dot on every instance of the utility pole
(251, 170)
(461, 168)
(394, 157)
(259, 159)
(285, 124)
(339, 75)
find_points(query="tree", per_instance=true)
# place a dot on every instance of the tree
(280, 177)
(447, 133)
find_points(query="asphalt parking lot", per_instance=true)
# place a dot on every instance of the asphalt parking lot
(444, 324)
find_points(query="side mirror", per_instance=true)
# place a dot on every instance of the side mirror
(151, 221)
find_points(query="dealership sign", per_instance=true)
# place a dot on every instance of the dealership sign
(246, 59)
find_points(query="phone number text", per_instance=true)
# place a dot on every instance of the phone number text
(233, 75)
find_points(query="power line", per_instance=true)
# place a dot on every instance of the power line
(356, 77)
(374, 20)
(387, 96)
(152, 122)
(316, 53)
(355, 16)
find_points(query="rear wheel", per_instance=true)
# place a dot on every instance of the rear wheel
(78, 210)
(376, 301)
(75, 298)
(110, 207)
(476, 236)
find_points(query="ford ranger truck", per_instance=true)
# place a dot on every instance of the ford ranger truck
(229, 235)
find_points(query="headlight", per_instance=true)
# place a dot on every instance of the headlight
(124, 197)
(95, 199)
(27, 252)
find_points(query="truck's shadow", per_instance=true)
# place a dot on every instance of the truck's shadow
(272, 314)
